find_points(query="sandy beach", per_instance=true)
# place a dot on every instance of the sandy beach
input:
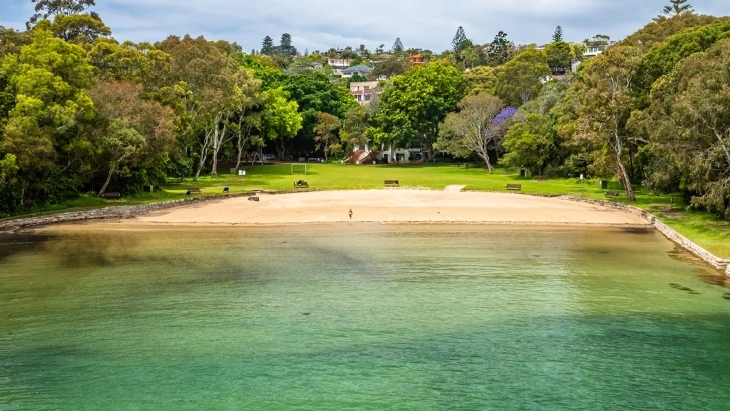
(391, 206)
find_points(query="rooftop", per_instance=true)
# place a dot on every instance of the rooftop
(358, 69)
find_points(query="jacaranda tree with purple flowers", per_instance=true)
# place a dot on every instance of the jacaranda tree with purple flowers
(477, 128)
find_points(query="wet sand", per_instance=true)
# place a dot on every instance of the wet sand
(390, 206)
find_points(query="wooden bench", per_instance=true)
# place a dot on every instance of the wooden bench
(613, 194)
(193, 190)
(301, 184)
(253, 199)
(395, 183)
(111, 195)
(514, 187)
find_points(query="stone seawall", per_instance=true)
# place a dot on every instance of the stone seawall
(671, 234)
(119, 212)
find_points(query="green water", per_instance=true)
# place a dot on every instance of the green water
(360, 318)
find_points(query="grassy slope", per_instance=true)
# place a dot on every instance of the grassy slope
(702, 228)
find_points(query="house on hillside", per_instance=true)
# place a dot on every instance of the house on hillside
(360, 70)
(338, 64)
(591, 52)
(365, 91)
(418, 60)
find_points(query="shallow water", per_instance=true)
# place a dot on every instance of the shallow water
(360, 318)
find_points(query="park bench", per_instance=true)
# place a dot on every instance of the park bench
(514, 187)
(301, 184)
(253, 199)
(175, 182)
(111, 195)
(613, 194)
(226, 189)
(395, 183)
(193, 190)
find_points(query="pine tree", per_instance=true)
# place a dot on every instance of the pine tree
(267, 46)
(398, 46)
(678, 7)
(498, 53)
(459, 39)
(558, 35)
(285, 45)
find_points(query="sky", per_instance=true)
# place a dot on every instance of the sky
(323, 24)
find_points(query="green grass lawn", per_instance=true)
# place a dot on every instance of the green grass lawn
(702, 228)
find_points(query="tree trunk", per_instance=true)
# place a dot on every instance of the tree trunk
(108, 179)
(326, 149)
(624, 176)
(280, 148)
(218, 141)
(240, 154)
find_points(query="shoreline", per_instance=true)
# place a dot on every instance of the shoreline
(381, 207)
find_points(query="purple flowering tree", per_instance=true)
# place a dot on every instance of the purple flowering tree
(478, 128)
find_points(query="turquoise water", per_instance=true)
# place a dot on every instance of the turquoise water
(360, 318)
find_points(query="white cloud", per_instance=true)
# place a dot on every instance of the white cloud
(321, 24)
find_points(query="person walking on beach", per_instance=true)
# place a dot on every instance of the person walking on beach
(350, 214)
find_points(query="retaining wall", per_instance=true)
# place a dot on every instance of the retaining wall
(667, 231)
(120, 212)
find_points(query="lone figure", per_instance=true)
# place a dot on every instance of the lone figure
(350, 214)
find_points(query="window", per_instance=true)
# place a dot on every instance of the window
(367, 87)
(356, 88)
(367, 97)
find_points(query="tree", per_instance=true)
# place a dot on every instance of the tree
(677, 7)
(414, 104)
(473, 129)
(354, 131)
(267, 46)
(325, 136)
(689, 121)
(380, 49)
(606, 102)
(460, 42)
(398, 46)
(521, 79)
(48, 79)
(393, 66)
(530, 144)
(285, 45)
(50, 8)
(481, 79)
(314, 93)
(658, 31)
(281, 119)
(498, 50)
(559, 55)
(662, 59)
(126, 126)
(558, 35)
(578, 52)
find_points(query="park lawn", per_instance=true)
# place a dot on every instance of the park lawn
(702, 228)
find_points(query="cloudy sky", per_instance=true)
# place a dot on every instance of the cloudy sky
(322, 24)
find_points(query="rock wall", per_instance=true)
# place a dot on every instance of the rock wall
(120, 212)
(668, 232)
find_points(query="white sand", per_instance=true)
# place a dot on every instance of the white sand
(396, 206)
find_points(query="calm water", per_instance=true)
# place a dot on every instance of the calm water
(360, 318)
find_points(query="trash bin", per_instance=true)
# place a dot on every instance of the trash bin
(603, 184)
